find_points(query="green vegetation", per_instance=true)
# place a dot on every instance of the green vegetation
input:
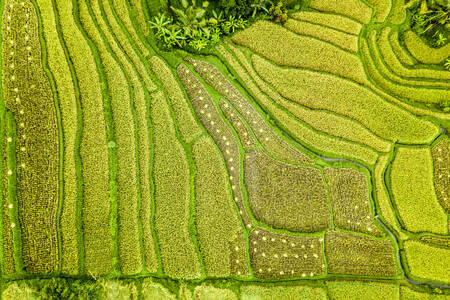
(410, 294)
(349, 193)
(205, 292)
(283, 292)
(362, 290)
(276, 255)
(411, 181)
(441, 165)
(348, 253)
(382, 9)
(401, 53)
(353, 9)
(422, 52)
(285, 196)
(438, 241)
(427, 262)
(337, 22)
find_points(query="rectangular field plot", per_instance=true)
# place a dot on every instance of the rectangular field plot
(411, 180)
(250, 292)
(277, 255)
(353, 254)
(338, 290)
(441, 165)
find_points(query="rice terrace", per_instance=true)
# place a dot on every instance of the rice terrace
(225, 149)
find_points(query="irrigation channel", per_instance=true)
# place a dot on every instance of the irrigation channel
(443, 131)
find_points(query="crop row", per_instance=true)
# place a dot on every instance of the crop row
(337, 22)
(28, 95)
(353, 9)
(400, 52)
(441, 166)
(422, 52)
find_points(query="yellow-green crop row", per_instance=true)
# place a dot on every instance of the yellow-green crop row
(422, 52)
(139, 97)
(187, 124)
(395, 64)
(382, 9)
(281, 45)
(421, 92)
(277, 255)
(411, 181)
(243, 132)
(409, 294)
(441, 166)
(205, 292)
(329, 20)
(124, 134)
(151, 290)
(69, 115)
(338, 290)
(138, 10)
(402, 55)
(262, 131)
(285, 196)
(28, 95)
(398, 12)
(354, 254)
(341, 39)
(94, 149)
(206, 110)
(324, 121)
(251, 292)
(437, 240)
(349, 193)
(311, 89)
(172, 195)
(321, 142)
(354, 9)
(427, 262)
(218, 226)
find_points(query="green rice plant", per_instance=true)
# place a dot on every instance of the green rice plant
(389, 56)
(28, 95)
(438, 241)
(245, 135)
(219, 231)
(353, 290)
(353, 9)
(411, 181)
(94, 148)
(349, 193)
(278, 256)
(187, 124)
(224, 138)
(172, 195)
(354, 254)
(441, 165)
(154, 291)
(281, 45)
(140, 98)
(124, 134)
(407, 293)
(16, 290)
(397, 85)
(117, 290)
(337, 22)
(427, 262)
(343, 40)
(401, 53)
(138, 9)
(311, 89)
(320, 142)
(398, 12)
(382, 9)
(285, 196)
(205, 292)
(68, 107)
(250, 292)
(422, 52)
(262, 131)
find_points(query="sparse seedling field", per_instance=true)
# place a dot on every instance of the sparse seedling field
(251, 149)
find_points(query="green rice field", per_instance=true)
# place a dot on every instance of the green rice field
(307, 158)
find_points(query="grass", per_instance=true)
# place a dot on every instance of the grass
(37, 155)
(277, 43)
(422, 52)
(261, 130)
(250, 292)
(187, 124)
(353, 290)
(277, 255)
(349, 193)
(116, 290)
(217, 221)
(310, 88)
(427, 262)
(205, 292)
(285, 196)
(354, 254)
(337, 22)
(401, 53)
(172, 195)
(441, 162)
(411, 181)
(343, 40)
(353, 9)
